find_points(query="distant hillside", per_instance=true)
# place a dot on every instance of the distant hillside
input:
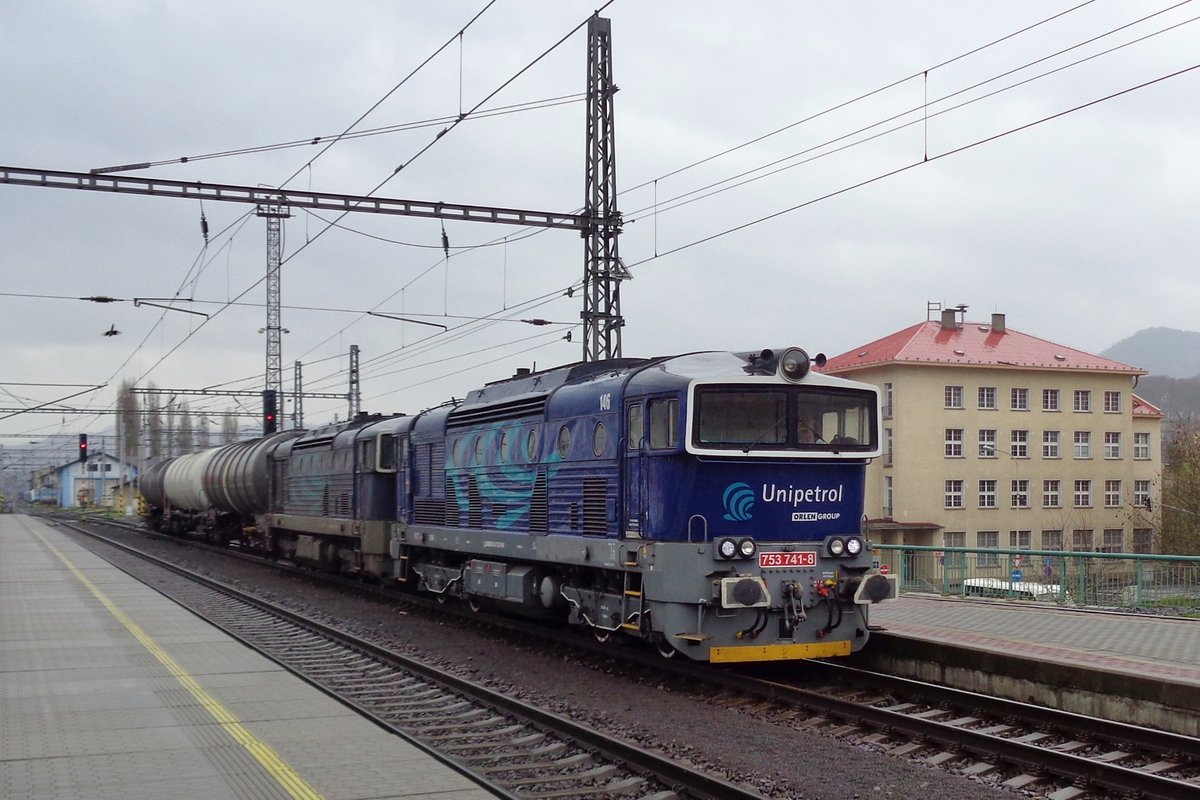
(1163, 352)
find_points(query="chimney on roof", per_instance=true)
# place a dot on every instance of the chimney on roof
(949, 318)
(997, 323)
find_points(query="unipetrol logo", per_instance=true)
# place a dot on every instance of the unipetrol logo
(739, 500)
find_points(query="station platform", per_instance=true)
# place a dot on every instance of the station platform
(1137, 668)
(110, 690)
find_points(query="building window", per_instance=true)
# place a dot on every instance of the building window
(989, 539)
(1083, 494)
(1019, 399)
(1112, 494)
(987, 494)
(1020, 540)
(987, 396)
(887, 400)
(955, 539)
(887, 447)
(1112, 402)
(954, 496)
(1113, 541)
(1083, 400)
(1051, 494)
(1141, 494)
(1112, 444)
(954, 437)
(1050, 444)
(954, 397)
(1081, 539)
(1052, 540)
(1020, 494)
(1143, 540)
(887, 496)
(1018, 445)
(1083, 444)
(1049, 399)
(1141, 446)
(987, 442)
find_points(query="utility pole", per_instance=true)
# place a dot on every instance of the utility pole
(355, 396)
(603, 270)
(297, 399)
(274, 214)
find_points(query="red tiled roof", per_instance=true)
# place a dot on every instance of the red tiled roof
(1142, 408)
(971, 344)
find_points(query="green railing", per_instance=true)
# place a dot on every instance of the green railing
(1121, 580)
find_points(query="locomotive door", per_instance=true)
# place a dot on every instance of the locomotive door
(634, 518)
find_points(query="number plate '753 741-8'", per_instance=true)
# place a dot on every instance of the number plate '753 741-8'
(801, 558)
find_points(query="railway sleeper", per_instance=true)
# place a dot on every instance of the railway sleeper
(570, 762)
(592, 776)
(495, 755)
(530, 739)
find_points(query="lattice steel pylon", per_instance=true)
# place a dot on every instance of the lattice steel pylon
(603, 270)
(274, 214)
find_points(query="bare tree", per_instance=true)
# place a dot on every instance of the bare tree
(130, 419)
(154, 421)
(1181, 489)
(229, 430)
(186, 439)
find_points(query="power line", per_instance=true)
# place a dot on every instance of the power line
(906, 168)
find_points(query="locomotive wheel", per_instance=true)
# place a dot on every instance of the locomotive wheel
(475, 604)
(664, 648)
(600, 635)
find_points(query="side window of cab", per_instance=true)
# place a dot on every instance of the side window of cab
(664, 423)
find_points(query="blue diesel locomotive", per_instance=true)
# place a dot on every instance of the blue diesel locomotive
(710, 504)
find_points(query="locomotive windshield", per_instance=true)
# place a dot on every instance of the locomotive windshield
(809, 418)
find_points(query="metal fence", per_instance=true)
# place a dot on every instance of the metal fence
(1115, 580)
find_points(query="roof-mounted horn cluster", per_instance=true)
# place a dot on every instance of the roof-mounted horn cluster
(792, 364)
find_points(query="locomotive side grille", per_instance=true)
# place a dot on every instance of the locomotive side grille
(429, 512)
(469, 415)
(539, 509)
(474, 507)
(595, 506)
(343, 506)
(451, 503)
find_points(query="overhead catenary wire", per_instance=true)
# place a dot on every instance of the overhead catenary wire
(922, 162)
(735, 181)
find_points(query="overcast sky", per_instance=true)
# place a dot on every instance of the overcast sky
(909, 166)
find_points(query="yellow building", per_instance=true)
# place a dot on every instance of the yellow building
(995, 438)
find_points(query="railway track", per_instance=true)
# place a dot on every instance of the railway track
(1035, 750)
(513, 748)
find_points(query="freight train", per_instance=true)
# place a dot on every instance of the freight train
(709, 504)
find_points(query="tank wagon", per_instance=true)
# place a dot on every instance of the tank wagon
(710, 504)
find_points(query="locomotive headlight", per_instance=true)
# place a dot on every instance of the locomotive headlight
(836, 547)
(794, 364)
(747, 548)
(727, 548)
(854, 545)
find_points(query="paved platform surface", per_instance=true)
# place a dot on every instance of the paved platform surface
(1145, 646)
(110, 690)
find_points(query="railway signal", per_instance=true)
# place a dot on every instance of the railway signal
(83, 447)
(270, 400)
